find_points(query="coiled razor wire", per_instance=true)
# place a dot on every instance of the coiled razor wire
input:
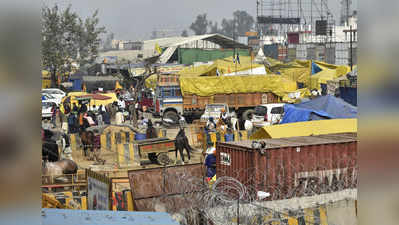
(196, 202)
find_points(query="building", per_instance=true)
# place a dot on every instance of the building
(183, 50)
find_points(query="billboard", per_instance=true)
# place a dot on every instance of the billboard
(98, 191)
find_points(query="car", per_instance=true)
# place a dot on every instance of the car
(214, 110)
(50, 98)
(267, 114)
(55, 92)
(46, 109)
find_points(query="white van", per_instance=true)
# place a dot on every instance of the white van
(267, 114)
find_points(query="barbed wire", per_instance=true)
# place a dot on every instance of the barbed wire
(291, 191)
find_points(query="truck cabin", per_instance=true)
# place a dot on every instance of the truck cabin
(166, 95)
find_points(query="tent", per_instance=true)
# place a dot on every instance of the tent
(294, 114)
(323, 107)
(335, 107)
(308, 128)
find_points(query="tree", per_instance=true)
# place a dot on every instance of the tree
(244, 22)
(66, 39)
(228, 28)
(184, 33)
(213, 27)
(200, 25)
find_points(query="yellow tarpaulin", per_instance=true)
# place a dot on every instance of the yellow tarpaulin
(315, 127)
(74, 95)
(223, 66)
(300, 71)
(207, 86)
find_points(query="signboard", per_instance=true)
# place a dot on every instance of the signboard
(98, 191)
(321, 27)
(278, 20)
(251, 34)
(225, 159)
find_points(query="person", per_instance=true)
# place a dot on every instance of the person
(71, 123)
(97, 146)
(119, 117)
(106, 117)
(150, 131)
(63, 121)
(75, 108)
(224, 116)
(54, 115)
(131, 111)
(210, 162)
(100, 121)
(89, 119)
(67, 108)
(248, 124)
(66, 146)
(210, 125)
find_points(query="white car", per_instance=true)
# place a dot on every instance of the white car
(55, 92)
(46, 109)
(215, 110)
(50, 98)
(267, 114)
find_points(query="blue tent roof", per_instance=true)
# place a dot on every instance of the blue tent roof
(294, 114)
(335, 107)
(323, 107)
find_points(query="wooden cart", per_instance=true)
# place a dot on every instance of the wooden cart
(154, 149)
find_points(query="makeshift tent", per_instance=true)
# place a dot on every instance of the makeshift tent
(308, 128)
(335, 107)
(294, 114)
(95, 99)
(308, 72)
(323, 107)
(208, 86)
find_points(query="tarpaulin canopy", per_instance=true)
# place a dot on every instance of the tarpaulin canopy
(294, 114)
(308, 128)
(310, 73)
(335, 107)
(207, 86)
(98, 99)
(323, 107)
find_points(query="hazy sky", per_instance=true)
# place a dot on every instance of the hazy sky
(136, 19)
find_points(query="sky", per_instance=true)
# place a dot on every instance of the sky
(136, 19)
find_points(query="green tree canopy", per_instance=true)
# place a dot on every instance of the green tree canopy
(67, 39)
(200, 25)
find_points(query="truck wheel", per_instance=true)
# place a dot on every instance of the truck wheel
(247, 113)
(171, 115)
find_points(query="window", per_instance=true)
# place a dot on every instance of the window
(277, 110)
(177, 92)
(167, 92)
(260, 110)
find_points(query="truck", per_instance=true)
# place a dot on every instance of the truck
(171, 104)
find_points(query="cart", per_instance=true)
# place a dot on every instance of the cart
(154, 149)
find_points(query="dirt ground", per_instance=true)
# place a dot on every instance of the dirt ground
(111, 168)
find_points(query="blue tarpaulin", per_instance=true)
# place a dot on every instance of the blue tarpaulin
(349, 94)
(335, 107)
(315, 68)
(323, 107)
(294, 114)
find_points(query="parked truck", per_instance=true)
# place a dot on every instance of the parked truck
(170, 103)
